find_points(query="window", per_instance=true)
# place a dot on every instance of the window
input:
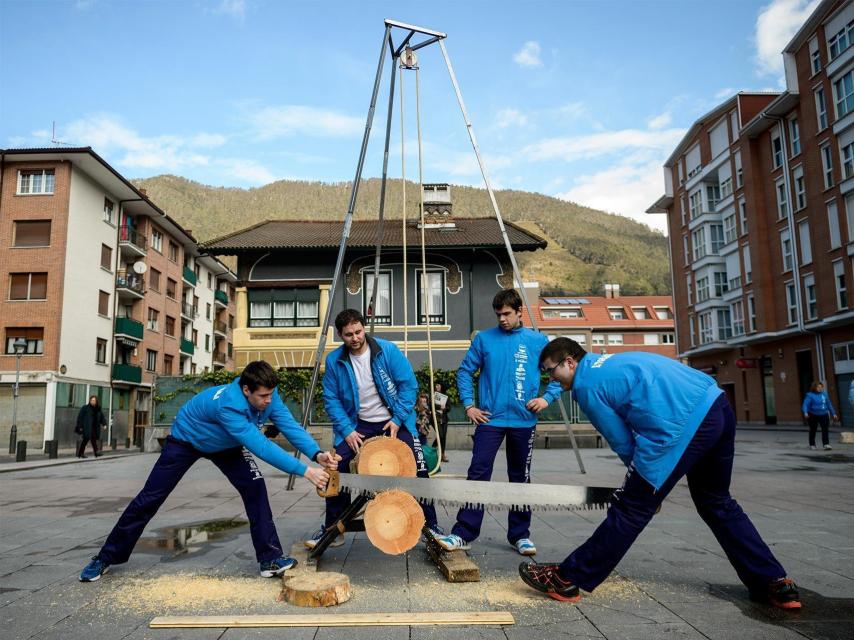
(695, 202)
(809, 290)
(833, 225)
(103, 303)
(692, 161)
(736, 312)
(742, 215)
(698, 240)
(724, 325)
(683, 208)
(726, 187)
(207, 342)
(157, 240)
(615, 338)
(663, 313)
(667, 338)
(827, 165)
(800, 189)
(815, 61)
(28, 286)
(847, 153)
(748, 269)
(153, 315)
(33, 335)
(705, 326)
(284, 307)
(843, 90)
(713, 195)
(195, 338)
(617, 313)
(154, 279)
(171, 289)
(791, 303)
(169, 328)
(36, 182)
(795, 133)
(382, 309)
(776, 149)
(804, 241)
(651, 339)
(702, 289)
(685, 251)
(730, 232)
(688, 287)
(210, 280)
(109, 211)
(435, 297)
(733, 270)
(549, 314)
(640, 313)
(739, 172)
(101, 351)
(751, 313)
(839, 282)
(786, 248)
(840, 41)
(106, 257)
(167, 365)
(693, 328)
(717, 233)
(150, 360)
(782, 200)
(597, 339)
(733, 123)
(849, 215)
(31, 233)
(821, 109)
(721, 285)
(208, 311)
(173, 251)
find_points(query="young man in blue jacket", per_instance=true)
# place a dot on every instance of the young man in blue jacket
(507, 407)
(664, 420)
(369, 389)
(223, 425)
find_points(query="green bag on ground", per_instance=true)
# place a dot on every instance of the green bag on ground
(431, 457)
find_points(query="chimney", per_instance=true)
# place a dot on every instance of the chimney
(438, 213)
(612, 291)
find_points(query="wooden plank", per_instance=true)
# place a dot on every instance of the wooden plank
(336, 620)
(456, 566)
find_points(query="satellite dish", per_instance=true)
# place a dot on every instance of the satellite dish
(140, 267)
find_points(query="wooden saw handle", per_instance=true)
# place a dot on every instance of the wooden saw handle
(332, 487)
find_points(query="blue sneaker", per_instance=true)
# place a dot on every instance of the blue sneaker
(277, 567)
(453, 542)
(525, 547)
(94, 570)
(314, 540)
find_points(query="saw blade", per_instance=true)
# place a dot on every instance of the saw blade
(483, 494)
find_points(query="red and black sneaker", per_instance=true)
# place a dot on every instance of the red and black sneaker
(545, 578)
(782, 593)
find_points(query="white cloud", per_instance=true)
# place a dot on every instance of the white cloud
(248, 170)
(287, 120)
(776, 23)
(726, 92)
(235, 8)
(602, 144)
(660, 121)
(529, 55)
(510, 118)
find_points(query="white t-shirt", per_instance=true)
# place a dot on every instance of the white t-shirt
(371, 405)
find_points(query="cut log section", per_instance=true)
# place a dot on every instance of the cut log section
(320, 589)
(393, 521)
(386, 457)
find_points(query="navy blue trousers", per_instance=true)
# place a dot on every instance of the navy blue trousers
(175, 460)
(337, 505)
(520, 447)
(707, 464)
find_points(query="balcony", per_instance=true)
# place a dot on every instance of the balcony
(189, 312)
(219, 358)
(221, 298)
(129, 328)
(127, 373)
(130, 285)
(187, 347)
(131, 242)
(220, 328)
(189, 276)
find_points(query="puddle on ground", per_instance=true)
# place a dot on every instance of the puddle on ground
(190, 538)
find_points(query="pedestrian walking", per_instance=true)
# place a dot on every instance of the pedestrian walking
(90, 419)
(818, 409)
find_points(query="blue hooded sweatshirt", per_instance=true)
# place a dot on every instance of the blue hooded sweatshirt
(509, 375)
(221, 418)
(818, 404)
(647, 407)
(393, 377)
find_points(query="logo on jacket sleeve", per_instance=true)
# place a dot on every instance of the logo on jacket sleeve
(519, 375)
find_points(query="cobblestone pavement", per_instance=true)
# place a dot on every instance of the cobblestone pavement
(675, 582)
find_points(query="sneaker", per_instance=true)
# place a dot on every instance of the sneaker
(312, 542)
(827, 447)
(812, 447)
(782, 593)
(545, 579)
(277, 567)
(453, 542)
(525, 547)
(94, 570)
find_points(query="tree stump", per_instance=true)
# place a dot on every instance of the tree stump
(320, 589)
(393, 521)
(386, 457)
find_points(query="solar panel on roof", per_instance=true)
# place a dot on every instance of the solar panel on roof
(566, 300)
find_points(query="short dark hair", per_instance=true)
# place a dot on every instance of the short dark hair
(258, 374)
(560, 348)
(507, 298)
(348, 316)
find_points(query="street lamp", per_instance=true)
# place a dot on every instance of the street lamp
(19, 346)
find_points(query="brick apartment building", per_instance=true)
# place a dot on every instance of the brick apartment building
(759, 196)
(105, 290)
(606, 324)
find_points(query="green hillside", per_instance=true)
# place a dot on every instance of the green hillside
(587, 248)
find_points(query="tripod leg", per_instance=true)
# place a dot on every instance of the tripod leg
(338, 527)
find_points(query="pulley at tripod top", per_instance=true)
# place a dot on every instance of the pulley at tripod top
(408, 59)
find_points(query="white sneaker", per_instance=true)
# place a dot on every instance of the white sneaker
(525, 547)
(812, 447)
(311, 543)
(827, 447)
(453, 542)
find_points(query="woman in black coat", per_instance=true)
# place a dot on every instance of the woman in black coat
(89, 422)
